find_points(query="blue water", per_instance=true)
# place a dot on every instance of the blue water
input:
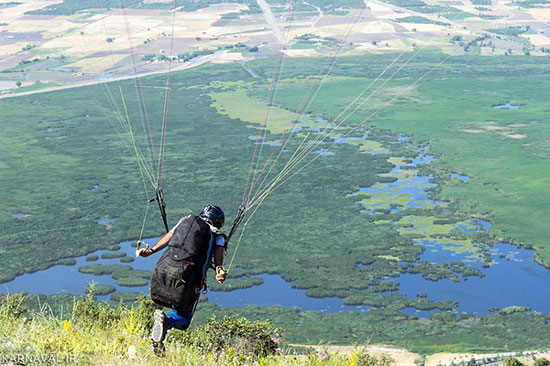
(513, 280)
(270, 143)
(467, 229)
(323, 153)
(506, 106)
(277, 292)
(66, 279)
(483, 224)
(402, 139)
(436, 252)
(345, 140)
(95, 188)
(304, 128)
(463, 178)
(20, 215)
(417, 187)
(106, 220)
(422, 158)
(274, 292)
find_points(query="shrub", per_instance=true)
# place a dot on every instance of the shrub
(143, 312)
(230, 334)
(362, 358)
(13, 305)
(88, 312)
(511, 361)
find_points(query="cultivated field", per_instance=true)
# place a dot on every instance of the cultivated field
(39, 49)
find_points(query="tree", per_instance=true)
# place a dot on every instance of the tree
(511, 361)
(110, 40)
(18, 84)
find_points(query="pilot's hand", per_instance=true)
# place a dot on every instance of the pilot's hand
(221, 274)
(143, 252)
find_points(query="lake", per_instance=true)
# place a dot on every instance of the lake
(273, 292)
(506, 106)
(463, 178)
(20, 215)
(513, 278)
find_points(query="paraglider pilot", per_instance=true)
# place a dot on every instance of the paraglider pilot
(180, 274)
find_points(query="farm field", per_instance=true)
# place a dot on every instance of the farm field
(49, 43)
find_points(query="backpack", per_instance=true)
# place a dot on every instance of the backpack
(178, 276)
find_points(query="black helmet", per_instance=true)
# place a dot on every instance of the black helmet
(214, 214)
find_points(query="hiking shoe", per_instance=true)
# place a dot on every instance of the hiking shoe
(158, 333)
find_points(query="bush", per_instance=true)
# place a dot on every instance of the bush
(359, 358)
(511, 361)
(362, 358)
(542, 362)
(13, 305)
(234, 335)
(144, 311)
(88, 312)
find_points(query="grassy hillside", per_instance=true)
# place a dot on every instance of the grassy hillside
(92, 333)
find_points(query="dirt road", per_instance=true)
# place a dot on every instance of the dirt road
(270, 19)
(188, 65)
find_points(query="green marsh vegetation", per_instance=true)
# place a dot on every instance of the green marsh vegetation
(503, 151)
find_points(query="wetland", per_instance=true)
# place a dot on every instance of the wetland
(404, 232)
